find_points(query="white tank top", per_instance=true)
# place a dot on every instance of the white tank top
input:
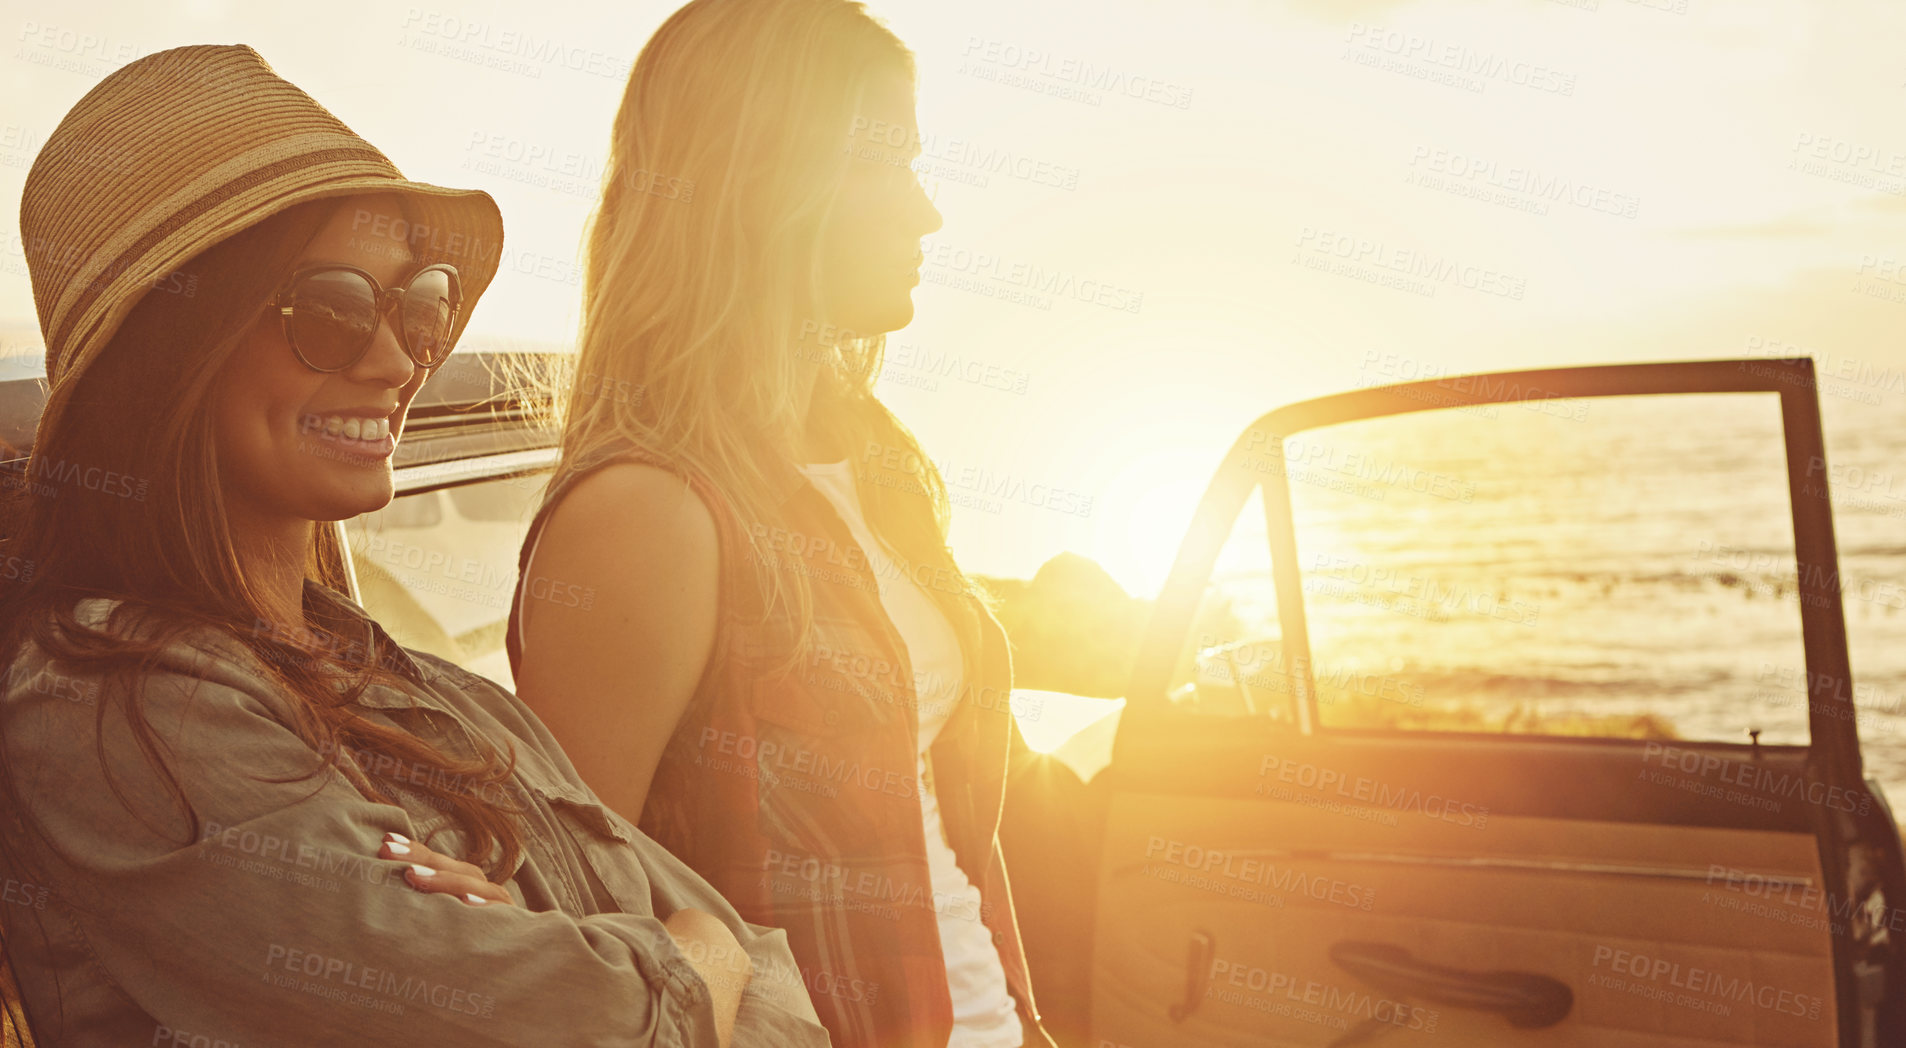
(983, 1013)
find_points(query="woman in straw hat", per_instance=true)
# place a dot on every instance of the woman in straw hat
(242, 814)
(785, 677)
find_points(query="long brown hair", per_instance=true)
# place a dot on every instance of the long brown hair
(703, 255)
(157, 540)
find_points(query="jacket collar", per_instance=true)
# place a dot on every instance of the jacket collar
(343, 616)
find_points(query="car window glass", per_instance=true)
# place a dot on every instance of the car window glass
(1615, 566)
(1231, 664)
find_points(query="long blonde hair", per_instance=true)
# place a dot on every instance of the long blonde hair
(703, 257)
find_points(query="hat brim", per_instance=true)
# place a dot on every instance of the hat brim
(462, 227)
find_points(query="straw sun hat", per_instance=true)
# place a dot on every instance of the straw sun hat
(177, 151)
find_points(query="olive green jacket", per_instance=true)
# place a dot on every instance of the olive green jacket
(276, 924)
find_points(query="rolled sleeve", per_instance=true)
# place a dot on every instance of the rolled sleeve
(275, 915)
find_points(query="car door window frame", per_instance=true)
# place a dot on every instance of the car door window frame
(1833, 734)
(1860, 859)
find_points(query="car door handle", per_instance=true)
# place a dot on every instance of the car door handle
(1198, 957)
(1527, 1000)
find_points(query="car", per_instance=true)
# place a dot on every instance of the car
(1270, 842)
(1295, 847)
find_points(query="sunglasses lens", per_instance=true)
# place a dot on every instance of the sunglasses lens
(429, 307)
(333, 315)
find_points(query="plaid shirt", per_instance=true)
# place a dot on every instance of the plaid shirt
(797, 795)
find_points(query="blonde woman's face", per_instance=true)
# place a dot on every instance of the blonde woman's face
(871, 247)
(285, 433)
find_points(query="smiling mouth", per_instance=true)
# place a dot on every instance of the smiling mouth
(366, 436)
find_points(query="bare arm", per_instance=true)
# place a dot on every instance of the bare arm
(610, 674)
(718, 958)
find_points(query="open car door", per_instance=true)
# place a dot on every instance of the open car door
(1538, 728)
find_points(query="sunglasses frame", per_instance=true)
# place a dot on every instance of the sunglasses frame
(384, 300)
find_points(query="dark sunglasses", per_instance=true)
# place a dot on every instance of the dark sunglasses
(331, 313)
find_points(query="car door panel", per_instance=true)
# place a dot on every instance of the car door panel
(1276, 883)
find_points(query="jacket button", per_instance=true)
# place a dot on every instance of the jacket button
(999, 936)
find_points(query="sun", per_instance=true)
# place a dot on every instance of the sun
(1147, 510)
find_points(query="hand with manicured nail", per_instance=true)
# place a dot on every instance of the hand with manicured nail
(436, 873)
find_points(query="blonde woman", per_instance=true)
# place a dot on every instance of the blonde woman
(782, 672)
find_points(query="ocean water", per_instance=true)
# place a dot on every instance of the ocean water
(1525, 563)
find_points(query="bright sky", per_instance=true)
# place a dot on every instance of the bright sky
(1554, 182)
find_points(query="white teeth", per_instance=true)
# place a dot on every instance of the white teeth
(356, 428)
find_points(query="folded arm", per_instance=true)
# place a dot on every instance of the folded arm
(277, 917)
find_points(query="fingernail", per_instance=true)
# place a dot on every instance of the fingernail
(421, 870)
(393, 835)
(396, 848)
(477, 900)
